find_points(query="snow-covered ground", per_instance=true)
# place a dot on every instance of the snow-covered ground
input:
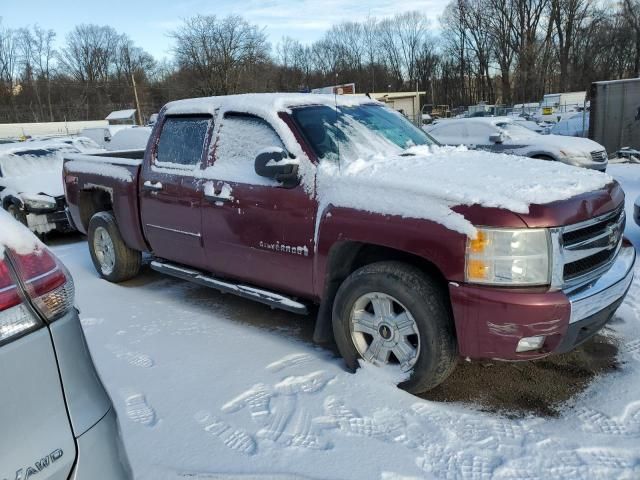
(212, 386)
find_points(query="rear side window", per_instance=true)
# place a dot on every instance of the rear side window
(450, 134)
(182, 141)
(240, 139)
(479, 133)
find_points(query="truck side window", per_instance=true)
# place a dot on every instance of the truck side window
(182, 141)
(240, 139)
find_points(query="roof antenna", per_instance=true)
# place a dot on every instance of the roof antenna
(335, 99)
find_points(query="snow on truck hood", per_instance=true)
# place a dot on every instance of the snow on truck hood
(427, 182)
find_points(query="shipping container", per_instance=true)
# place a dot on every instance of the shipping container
(615, 114)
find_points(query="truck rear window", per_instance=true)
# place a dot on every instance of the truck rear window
(182, 140)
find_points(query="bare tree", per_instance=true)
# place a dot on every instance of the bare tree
(219, 51)
(37, 58)
(631, 9)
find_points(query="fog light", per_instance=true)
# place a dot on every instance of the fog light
(527, 344)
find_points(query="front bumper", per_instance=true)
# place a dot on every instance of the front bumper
(101, 453)
(586, 162)
(46, 222)
(491, 321)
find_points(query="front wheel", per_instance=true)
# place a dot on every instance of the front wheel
(392, 313)
(113, 259)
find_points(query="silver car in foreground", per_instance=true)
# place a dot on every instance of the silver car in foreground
(503, 135)
(56, 419)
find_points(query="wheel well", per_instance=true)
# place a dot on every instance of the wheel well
(92, 202)
(543, 157)
(347, 257)
(9, 200)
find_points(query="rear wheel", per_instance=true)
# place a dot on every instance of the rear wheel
(112, 258)
(392, 313)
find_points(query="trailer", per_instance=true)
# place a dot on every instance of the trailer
(615, 114)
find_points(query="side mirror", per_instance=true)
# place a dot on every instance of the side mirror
(496, 138)
(275, 163)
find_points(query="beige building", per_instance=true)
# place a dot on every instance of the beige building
(407, 102)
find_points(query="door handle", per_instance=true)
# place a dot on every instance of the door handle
(149, 185)
(216, 199)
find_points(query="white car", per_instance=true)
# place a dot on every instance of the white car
(531, 125)
(31, 187)
(503, 135)
(575, 126)
(134, 138)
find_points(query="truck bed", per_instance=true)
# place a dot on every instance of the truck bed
(105, 181)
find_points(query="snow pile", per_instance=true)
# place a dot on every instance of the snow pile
(426, 182)
(16, 237)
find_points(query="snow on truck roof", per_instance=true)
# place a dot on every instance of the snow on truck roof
(263, 103)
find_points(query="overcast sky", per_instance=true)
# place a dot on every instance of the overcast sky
(147, 22)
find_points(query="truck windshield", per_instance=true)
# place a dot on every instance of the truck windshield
(361, 131)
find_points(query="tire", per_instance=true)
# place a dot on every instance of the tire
(111, 257)
(15, 211)
(408, 289)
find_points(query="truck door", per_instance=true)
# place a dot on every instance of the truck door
(170, 201)
(254, 229)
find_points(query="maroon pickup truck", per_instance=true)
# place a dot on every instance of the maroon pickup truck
(416, 254)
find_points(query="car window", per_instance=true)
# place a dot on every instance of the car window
(450, 133)
(36, 152)
(240, 138)
(182, 141)
(479, 133)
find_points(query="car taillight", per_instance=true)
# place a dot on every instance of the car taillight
(15, 317)
(46, 282)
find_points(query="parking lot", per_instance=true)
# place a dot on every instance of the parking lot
(207, 384)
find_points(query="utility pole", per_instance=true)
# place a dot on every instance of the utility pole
(135, 92)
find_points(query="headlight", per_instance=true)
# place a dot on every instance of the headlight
(513, 257)
(39, 204)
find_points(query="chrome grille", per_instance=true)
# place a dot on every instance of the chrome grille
(599, 156)
(588, 248)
